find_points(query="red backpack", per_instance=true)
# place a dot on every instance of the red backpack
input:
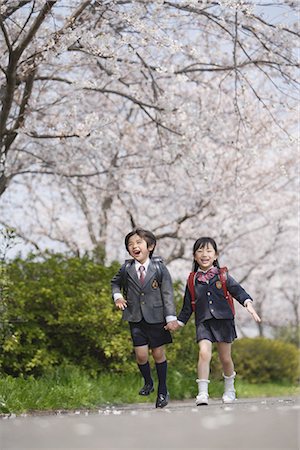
(223, 278)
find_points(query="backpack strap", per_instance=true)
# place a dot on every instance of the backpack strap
(124, 269)
(223, 275)
(191, 288)
(157, 261)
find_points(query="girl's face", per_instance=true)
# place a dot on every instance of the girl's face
(137, 248)
(205, 256)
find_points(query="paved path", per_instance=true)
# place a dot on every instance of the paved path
(271, 423)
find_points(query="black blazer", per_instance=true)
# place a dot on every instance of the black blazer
(153, 301)
(210, 300)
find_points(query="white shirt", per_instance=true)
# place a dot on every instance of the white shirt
(138, 265)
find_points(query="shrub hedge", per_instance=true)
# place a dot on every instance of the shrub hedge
(59, 311)
(262, 360)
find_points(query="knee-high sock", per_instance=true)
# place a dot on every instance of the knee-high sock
(161, 369)
(146, 372)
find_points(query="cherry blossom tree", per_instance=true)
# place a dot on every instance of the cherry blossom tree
(179, 116)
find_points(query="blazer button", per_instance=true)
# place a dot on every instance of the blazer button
(212, 310)
(210, 301)
(142, 293)
(208, 293)
(142, 303)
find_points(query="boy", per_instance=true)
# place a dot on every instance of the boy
(147, 303)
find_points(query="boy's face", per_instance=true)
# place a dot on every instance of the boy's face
(137, 248)
(205, 256)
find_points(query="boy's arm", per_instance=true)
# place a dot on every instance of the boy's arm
(167, 294)
(116, 288)
(121, 303)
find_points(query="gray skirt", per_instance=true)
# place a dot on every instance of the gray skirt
(216, 330)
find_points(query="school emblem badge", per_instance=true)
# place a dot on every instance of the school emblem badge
(219, 284)
(154, 284)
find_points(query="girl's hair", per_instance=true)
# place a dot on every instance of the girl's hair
(148, 236)
(203, 242)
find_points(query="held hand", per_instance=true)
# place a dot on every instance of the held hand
(252, 311)
(121, 303)
(172, 326)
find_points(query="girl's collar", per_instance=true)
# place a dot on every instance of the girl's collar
(205, 271)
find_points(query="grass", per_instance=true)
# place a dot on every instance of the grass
(70, 388)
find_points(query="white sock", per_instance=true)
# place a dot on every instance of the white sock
(229, 391)
(202, 386)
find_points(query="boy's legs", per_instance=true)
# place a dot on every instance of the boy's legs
(205, 352)
(161, 369)
(141, 354)
(224, 350)
(145, 335)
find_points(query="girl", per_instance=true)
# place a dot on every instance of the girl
(214, 317)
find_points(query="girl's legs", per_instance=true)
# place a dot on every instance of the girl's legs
(224, 350)
(141, 354)
(205, 351)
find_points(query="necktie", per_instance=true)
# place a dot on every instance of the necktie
(201, 276)
(142, 274)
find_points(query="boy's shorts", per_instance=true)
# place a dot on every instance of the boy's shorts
(151, 334)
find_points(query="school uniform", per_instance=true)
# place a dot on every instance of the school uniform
(149, 304)
(214, 318)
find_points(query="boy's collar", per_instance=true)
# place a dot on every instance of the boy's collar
(138, 264)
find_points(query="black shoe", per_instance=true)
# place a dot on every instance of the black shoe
(162, 400)
(146, 389)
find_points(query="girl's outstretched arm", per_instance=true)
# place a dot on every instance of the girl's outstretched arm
(252, 311)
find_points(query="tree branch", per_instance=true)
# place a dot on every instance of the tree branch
(22, 236)
(34, 28)
(6, 37)
(15, 8)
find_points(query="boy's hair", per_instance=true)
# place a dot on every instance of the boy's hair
(148, 236)
(203, 242)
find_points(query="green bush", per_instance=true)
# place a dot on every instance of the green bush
(60, 310)
(261, 360)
